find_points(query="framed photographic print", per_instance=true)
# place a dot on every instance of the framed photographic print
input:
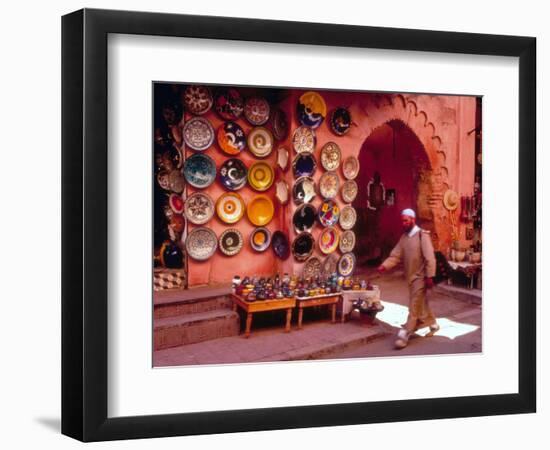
(235, 254)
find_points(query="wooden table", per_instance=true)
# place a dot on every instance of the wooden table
(317, 300)
(261, 306)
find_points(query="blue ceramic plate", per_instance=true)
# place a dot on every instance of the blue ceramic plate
(233, 174)
(199, 170)
(304, 165)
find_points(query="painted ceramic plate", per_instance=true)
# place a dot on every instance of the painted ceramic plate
(328, 240)
(201, 243)
(282, 158)
(340, 121)
(197, 99)
(260, 176)
(330, 156)
(304, 165)
(176, 203)
(231, 242)
(312, 268)
(311, 109)
(304, 140)
(346, 264)
(347, 241)
(230, 207)
(199, 170)
(260, 210)
(199, 208)
(231, 138)
(328, 213)
(198, 133)
(228, 103)
(163, 179)
(329, 265)
(350, 167)
(233, 173)
(260, 239)
(329, 184)
(349, 191)
(348, 217)
(280, 245)
(281, 192)
(256, 110)
(304, 218)
(176, 181)
(302, 246)
(279, 124)
(260, 142)
(303, 190)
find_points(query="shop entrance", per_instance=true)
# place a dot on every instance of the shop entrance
(394, 174)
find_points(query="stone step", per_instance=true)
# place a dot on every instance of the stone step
(186, 329)
(459, 293)
(191, 301)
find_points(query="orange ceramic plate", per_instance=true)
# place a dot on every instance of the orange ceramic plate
(260, 210)
(230, 207)
(260, 176)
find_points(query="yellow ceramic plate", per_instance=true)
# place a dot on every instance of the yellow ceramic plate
(230, 207)
(260, 210)
(260, 176)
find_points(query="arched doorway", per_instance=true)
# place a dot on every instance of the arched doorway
(393, 164)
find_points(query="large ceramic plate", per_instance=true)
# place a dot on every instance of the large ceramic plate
(346, 264)
(340, 121)
(304, 165)
(230, 207)
(302, 246)
(231, 242)
(198, 133)
(176, 203)
(350, 167)
(304, 217)
(348, 217)
(312, 268)
(201, 243)
(197, 99)
(256, 110)
(328, 240)
(304, 140)
(199, 208)
(328, 213)
(303, 190)
(260, 210)
(229, 103)
(231, 138)
(279, 124)
(233, 174)
(260, 142)
(311, 109)
(347, 241)
(260, 176)
(349, 191)
(260, 239)
(330, 156)
(199, 170)
(329, 265)
(329, 184)
(280, 245)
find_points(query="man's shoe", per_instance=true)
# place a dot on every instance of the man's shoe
(433, 329)
(402, 339)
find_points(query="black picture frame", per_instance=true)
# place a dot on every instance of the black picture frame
(84, 224)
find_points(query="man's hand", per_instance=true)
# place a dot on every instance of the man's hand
(429, 281)
(381, 269)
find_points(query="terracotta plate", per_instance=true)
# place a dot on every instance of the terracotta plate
(302, 246)
(231, 242)
(256, 110)
(260, 142)
(230, 207)
(311, 109)
(340, 121)
(197, 99)
(328, 213)
(304, 218)
(346, 264)
(350, 167)
(201, 243)
(229, 103)
(198, 133)
(231, 138)
(233, 174)
(260, 210)
(329, 184)
(260, 239)
(347, 241)
(304, 140)
(304, 165)
(312, 268)
(328, 240)
(280, 245)
(348, 217)
(199, 208)
(199, 170)
(349, 191)
(303, 190)
(260, 176)
(330, 156)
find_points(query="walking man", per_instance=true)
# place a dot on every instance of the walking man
(415, 251)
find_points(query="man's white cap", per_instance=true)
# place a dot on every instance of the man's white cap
(408, 212)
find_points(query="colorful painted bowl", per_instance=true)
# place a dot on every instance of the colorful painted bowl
(231, 242)
(348, 217)
(349, 191)
(176, 203)
(330, 156)
(230, 207)
(304, 165)
(303, 190)
(260, 142)
(260, 176)
(304, 140)
(260, 210)
(201, 243)
(304, 218)
(260, 239)
(199, 170)
(350, 167)
(347, 241)
(231, 138)
(279, 124)
(328, 213)
(340, 121)
(197, 99)
(312, 268)
(198, 133)
(302, 246)
(311, 109)
(256, 110)
(199, 208)
(328, 240)
(346, 264)
(233, 174)
(329, 184)
(228, 103)
(280, 245)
